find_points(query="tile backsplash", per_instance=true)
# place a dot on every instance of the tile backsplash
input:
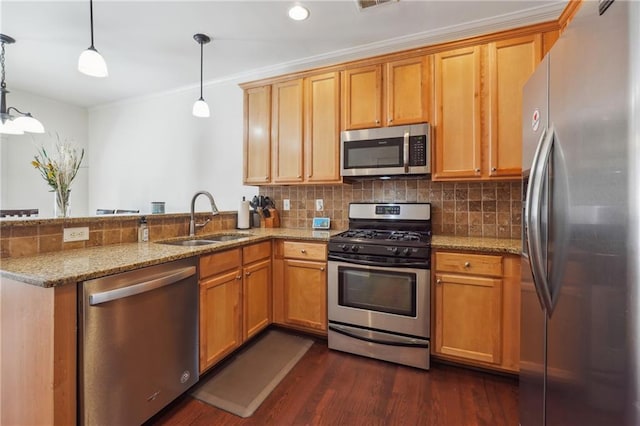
(487, 209)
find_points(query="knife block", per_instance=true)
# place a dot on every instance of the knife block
(273, 221)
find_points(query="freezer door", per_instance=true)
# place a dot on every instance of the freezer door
(586, 329)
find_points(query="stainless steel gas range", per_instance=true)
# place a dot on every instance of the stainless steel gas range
(379, 283)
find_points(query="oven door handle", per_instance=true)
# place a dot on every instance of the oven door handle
(396, 341)
(418, 264)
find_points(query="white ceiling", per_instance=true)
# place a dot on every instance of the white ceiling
(149, 46)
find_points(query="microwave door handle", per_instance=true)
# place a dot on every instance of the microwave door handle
(406, 152)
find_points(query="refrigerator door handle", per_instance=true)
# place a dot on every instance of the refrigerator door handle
(533, 211)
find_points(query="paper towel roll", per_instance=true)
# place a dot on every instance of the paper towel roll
(243, 214)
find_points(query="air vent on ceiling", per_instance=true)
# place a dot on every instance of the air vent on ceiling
(366, 4)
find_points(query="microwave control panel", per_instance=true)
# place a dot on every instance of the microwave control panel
(418, 150)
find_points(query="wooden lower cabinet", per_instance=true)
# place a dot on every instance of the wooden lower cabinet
(300, 285)
(220, 316)
(476, 309)
(235, 299)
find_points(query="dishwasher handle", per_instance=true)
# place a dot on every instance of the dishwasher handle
(143, 287)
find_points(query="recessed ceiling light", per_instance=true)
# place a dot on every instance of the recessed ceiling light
(298, 13)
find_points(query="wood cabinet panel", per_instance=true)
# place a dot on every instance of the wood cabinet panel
(216, 263)
(408, 86)
(457, 114)
(305, 294)
(305, 250)
(220, 317)
(286, 131)
(468, 317)
(255, 252)
(362, 97)
(256, 297)
(257, 135)
(511, 63)
(468, 263)
(322, 128)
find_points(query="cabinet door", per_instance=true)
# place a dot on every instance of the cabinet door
(257, 297)
(408, 90)
(457, 114)
(362, 97)
(286, 131)
(511, 62)
(220, 317)
(468, 317)
(257, 135)
(322, 128)
(305, 294)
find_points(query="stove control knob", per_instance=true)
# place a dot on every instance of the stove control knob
(354, 248)
(406, 252)
(344, 247)
(394, 250)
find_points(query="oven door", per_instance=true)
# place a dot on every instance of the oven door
(387, 299)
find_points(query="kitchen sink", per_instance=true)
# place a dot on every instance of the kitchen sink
(203, 241)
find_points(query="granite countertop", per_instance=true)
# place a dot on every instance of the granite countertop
(73, 266)
(480, 244)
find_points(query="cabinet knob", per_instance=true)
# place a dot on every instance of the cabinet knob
(438, 281)
(299, 176)
(391, 120)
(493, 169)
(266, 178)
(477, 170)
(303, 251)
(239, 277)
(377, 121)
(247, 273)
(467, 264)
(322, 268)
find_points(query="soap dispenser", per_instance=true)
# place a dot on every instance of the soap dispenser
(143, 230)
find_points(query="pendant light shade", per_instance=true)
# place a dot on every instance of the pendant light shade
(200, 107)
(90, 61)
(12, 120)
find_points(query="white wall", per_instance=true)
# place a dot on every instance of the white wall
(154, 149)
(22, 186)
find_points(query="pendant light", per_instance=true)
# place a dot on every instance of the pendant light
(90, 61)
(200, 107)
(10, 124)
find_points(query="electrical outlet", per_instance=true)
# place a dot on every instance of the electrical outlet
(286, 204)
(319, 205)
(75, 234)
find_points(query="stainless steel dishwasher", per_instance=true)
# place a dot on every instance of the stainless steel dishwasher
(138, 342)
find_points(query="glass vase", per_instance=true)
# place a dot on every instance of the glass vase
(61, 205)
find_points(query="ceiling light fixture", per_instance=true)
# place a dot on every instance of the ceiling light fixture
(298, 13)
(10, 124)
(200, 107)
(90, 61)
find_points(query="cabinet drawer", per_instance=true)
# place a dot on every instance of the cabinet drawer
(256, 252)
(464, 263)
(219, 262)
(305, 250)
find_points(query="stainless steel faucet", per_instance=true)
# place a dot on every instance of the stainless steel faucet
(214, 211)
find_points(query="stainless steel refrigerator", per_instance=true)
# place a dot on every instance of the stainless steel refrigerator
(580, 325)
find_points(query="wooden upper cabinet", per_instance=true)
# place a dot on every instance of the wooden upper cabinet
(286, 131)
(322, 128)
(362, 97)
(408, 90)
(511, 62)
(257, 135)
(457, 143)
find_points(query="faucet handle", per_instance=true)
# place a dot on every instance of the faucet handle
(203, 224)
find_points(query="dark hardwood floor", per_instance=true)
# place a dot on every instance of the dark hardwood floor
(332, 388)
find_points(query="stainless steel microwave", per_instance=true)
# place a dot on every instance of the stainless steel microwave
(386, 151)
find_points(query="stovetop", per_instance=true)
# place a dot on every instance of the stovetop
(386, 235)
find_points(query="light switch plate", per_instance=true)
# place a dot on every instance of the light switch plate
(286, 204)
(75, 234)
(319, 205)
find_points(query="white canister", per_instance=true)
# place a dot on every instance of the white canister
(243, 214)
